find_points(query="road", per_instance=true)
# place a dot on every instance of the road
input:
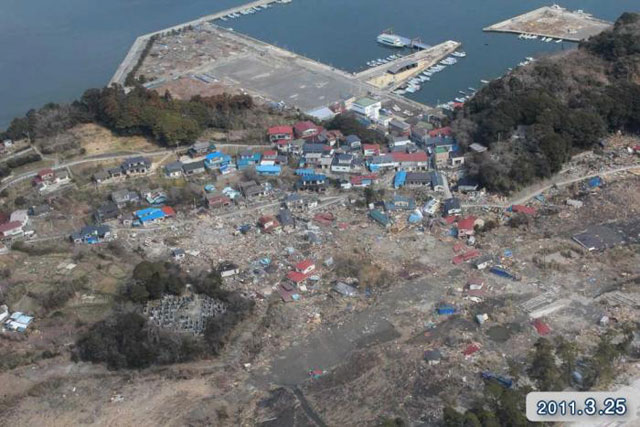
(533, 193)
(11, 180)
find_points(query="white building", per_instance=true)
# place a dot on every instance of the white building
(370, 108)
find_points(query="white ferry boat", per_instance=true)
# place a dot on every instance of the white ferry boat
(390, 40)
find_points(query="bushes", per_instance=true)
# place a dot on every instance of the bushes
(125, 340)
(349, 125)
(150, 280)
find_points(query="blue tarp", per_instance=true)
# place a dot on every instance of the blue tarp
(379, 217)
(399, 179)
(502, 380)
(415, 218)
(595, 182)
(502, 273)
(446, 309)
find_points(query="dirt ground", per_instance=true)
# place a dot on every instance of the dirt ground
(97, 140)
(368, 349)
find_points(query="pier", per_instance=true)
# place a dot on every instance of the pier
(384, 76)
(553, 22)
(139, 44)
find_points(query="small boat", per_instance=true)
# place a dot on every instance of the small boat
(484, 81)
(459, 54)
(559, 41)
(459, 99)
(472, 89)
(410, 89)
(223, 18)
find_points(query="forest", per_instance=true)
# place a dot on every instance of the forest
(168, 121)
(535, 118)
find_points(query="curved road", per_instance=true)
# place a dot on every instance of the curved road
(532, 193)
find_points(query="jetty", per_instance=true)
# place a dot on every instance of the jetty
(553, 22)
(141, 42)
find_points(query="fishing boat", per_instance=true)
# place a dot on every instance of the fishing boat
(459, 54)
(472, 89)
(559, 41)
(459, 99)
(484, 81)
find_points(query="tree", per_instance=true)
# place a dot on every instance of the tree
(567, 352)
(452, 418)
(137, 292)
(543, 367)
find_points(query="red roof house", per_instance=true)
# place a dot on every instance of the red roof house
(418, 157)
(11, 229)
(306, 130)
(279, 133)
(371, 149)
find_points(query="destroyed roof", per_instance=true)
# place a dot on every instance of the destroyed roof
(527, 210)
(467, 223)
(345, 290)
(453, 203)
(296, 276)
(432, 355)
(541, 327)
(285, 217)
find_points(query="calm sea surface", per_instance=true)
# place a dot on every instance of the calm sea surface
(52, 50)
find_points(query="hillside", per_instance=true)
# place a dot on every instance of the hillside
(536, 117)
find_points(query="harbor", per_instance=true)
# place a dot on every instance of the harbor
(552, 24)
(203, 57)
